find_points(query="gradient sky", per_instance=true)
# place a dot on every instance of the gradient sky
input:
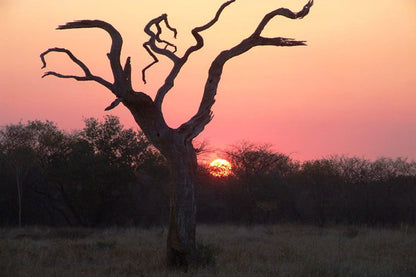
(351, 91)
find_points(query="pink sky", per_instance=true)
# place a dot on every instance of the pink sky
(351, 91)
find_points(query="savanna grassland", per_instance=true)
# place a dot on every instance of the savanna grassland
(279, 250)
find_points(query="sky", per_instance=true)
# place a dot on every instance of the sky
(351, 91)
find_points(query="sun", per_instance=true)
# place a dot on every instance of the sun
(220, 168)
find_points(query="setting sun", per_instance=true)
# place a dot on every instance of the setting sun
(220, 168)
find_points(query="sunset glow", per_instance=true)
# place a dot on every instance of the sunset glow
(220, 168)
(350, 91)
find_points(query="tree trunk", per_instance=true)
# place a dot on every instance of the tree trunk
(181, 235)
(19, 195)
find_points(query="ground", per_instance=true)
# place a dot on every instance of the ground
(278, 250)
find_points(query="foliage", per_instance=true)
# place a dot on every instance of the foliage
(261, 182)
(87, 178)
(105, 175)
(251, 161)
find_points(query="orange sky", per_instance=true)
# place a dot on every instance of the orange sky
(351, 91)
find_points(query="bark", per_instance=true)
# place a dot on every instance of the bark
(182, 222)
(174, 144)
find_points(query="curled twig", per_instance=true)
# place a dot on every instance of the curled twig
(154, 38)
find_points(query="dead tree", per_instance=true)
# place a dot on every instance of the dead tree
(174, 144)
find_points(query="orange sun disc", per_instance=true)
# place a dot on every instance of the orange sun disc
(220, 168)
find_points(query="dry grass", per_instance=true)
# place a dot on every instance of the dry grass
(280, 250)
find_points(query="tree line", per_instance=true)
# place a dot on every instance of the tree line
(106, 175)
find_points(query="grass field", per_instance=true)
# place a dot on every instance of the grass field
(280, 250)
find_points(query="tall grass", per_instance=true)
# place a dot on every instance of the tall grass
(280, 250)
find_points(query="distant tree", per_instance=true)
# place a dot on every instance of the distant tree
(261, 179)
(119, 146)
(354, 190)
(101, 175)
(174, 144)
(384, 168)
(96, 177)
(249, 159)
(107, 175)
(213, 196)
(26, 147)
(7, 193)
(320, 185)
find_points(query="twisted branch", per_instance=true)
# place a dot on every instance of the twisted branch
(195, 32)
(283, 12)
(122, 76)
(88, 75)
(116, 44)
(151, 45)
(204, 114)
(178, 63)
(155, 60)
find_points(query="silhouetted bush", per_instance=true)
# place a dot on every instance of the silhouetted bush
(107, 175)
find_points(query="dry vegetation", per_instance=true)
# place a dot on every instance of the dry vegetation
(280, 250)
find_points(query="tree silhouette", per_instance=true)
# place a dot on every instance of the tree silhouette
(175, 144)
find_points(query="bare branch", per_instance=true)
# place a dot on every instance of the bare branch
(283, 12)
(151, 45)
(167, 43)
(203, 116)
(195, 32)
(146, 114)
(175, 33)
(114, 104)
(155, 60)
(59, 75)
(88, 76)
(115, 51)
(156, 21)
(71, 56)
(279, 41)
